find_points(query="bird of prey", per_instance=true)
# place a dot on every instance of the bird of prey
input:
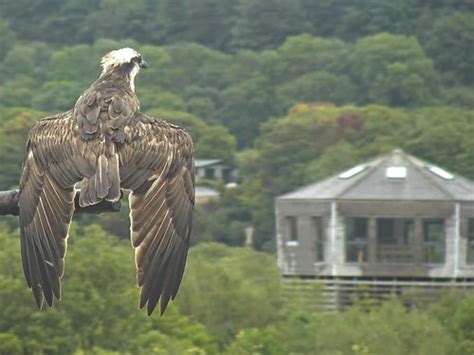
(106, 143)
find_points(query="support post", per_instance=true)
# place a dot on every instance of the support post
(372, 257)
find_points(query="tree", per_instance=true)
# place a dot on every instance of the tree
(217, 143)
(316, 87)
(209, 22)
(7, 38)
(265, 24)
(449, 44)
(389, 329)
(14, 127)
(393, 70)
(98, 305)
(244, 106)
(304, 54)
(214, 269)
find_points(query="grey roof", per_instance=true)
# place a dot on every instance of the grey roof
(371, 183)
(200, 163)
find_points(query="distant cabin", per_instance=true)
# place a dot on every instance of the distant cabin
(214, 170)
(392, 224)
(209, 173)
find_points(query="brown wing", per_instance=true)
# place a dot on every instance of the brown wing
(158, 167)
(52, 166)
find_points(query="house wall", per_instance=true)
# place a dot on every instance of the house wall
(300, 259)
(466, 212)
(220, 172)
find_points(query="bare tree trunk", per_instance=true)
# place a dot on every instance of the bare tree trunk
(9, 204)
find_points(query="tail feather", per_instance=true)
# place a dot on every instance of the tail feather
(113, 176)
(101, 179)
(104, 184)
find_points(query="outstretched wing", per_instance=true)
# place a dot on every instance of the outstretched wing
(158, 167)
(53, 165)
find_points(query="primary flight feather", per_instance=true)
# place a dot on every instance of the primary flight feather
(107, 144)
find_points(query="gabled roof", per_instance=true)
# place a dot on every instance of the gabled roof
(201, 163)
(395, 176)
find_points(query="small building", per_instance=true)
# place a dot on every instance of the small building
(214, 170)
(385, 226)
(210, 173)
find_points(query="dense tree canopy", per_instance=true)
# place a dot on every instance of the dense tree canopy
(289, 92)
(231, 302)
(254, 75)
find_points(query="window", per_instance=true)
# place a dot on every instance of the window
(433, 240)
(396, 172)
(210, 173)
(317, 227)
(227, 175)
(470, 240)
(395, 239)
(356, 239)
(440, 172)
(291, 229)
(352, 172)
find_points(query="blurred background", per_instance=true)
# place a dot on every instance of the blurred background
(276, 94)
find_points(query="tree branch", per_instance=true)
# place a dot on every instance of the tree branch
(9, 204)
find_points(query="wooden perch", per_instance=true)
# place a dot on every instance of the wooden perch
(9, 204)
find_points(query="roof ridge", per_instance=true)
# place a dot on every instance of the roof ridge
(429, 175)
(421, 184)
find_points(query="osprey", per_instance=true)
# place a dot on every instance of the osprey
(106, 143)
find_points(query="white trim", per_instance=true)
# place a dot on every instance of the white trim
(446, 175)
(457, 237)
(352, 172)
(333, 237)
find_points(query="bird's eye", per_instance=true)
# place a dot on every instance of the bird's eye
(136, 59)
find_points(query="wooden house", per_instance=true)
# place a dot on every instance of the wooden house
(389, 225)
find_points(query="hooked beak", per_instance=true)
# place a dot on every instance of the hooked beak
(143, 64)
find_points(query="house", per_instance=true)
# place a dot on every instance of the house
(389, 225)
(209, 173)
(214, 170)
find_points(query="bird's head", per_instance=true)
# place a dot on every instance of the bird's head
(126, 61)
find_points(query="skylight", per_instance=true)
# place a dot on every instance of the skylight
(396, 172)
(440, 172)
(352, 172)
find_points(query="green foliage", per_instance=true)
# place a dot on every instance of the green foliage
(10, 344)
(304, 54)
(316, 87)
(98, 306)
(217, 143)
(389, 329)
(230, 302)
(7, 38)
(449, 44)
(393, 70)
(14, 126)
(213, 270)
(223, 221)
(263, 24)
(260, 75)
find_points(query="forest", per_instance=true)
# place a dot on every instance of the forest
(288, 92)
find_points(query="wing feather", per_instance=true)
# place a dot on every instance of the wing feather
(52, 167)
(158, 167)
